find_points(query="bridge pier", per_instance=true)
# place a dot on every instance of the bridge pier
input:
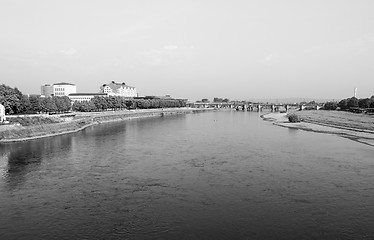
(286, 107)
(259, 108)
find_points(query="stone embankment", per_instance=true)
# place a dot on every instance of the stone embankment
(17, 133)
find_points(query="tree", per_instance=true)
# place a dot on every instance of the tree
(10, 98)
(66, 104)
(59, 104)
(352, 102)
(364, 102)
(49, 105)
(25, 105)
(100, 103)
(35, 104)
(343, 104)
(330, 106)
(371, 104)
(204, 100)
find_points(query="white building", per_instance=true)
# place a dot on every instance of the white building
(58, 89)
(118, 89)
(2, 113)
(63, 89)
(82, 97)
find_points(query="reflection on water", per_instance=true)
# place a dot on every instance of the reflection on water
(19, 159)
(221, 175)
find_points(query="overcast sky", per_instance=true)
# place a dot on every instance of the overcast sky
(192, 49)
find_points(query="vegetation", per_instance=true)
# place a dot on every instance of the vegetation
(349, 103)
(216, 99)
(330, 106)
(17, 103)
(293, 118)
(339, 118)
(118, 103)
(29, 121)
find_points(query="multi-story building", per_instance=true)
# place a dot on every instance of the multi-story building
(118, 89)
(82, 97)
(47, 90)
(63, 89)
(58, 89)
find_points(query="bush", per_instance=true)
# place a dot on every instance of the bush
(293, 118)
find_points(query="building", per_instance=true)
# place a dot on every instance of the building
(63, 89)
(118, 89)
(82, 97)
(58, 89)
(47, 90)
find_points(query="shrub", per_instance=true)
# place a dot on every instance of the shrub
(293, 118)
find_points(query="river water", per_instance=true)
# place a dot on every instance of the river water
(215, 175)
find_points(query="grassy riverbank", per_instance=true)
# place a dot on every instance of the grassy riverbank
(357, 127)
(354, 121)
(82, 120)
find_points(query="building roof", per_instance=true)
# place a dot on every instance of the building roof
(64, 83)
(87, 94)
(113, 85)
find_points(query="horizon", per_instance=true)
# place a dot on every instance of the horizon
(191, 49)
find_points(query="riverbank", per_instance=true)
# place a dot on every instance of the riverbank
(348, 125)
(84, 120)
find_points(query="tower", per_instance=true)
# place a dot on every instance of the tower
(355, 93)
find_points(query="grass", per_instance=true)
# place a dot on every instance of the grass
(42, 129)
(339, 118)
(39, 126)
(30, 121)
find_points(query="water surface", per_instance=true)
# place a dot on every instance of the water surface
(217, 175)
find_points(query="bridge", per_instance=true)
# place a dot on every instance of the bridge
(248, 106)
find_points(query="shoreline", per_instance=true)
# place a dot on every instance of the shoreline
(96, 118)
(356, 134)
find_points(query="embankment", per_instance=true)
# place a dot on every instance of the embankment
(82, 121)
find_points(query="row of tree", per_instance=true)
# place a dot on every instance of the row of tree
(349, 103)
(17, 103)
(216, 100)
(118, 103)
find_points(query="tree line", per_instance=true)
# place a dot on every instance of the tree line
(350, 103)
(118, 103)
(17, 103)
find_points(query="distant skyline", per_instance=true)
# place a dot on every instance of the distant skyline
(192, 49)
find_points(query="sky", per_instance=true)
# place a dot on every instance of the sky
(191, 48)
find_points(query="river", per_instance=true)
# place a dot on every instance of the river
(214, 175)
